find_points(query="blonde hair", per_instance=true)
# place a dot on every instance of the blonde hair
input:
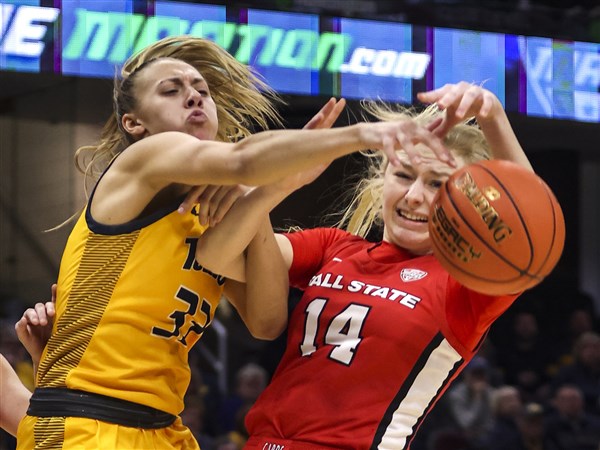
(242, 99)
(363, 212)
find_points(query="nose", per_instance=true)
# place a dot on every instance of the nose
(194, 98)
(415, 194)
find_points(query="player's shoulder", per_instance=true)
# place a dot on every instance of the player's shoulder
(160, 141)
(323, 239)
(330, 235)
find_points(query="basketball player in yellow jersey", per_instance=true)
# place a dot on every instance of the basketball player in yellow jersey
(132, 299)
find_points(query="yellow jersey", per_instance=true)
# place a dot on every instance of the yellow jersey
(131, 303)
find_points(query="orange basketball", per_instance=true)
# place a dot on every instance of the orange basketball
(497, 227)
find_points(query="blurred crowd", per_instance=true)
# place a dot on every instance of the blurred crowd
(534, 385)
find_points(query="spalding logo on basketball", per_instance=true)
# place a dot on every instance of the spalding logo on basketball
(497, 227)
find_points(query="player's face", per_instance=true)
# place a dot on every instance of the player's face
(173, 96)
(408, 191)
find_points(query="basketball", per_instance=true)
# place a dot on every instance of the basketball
(496, 227)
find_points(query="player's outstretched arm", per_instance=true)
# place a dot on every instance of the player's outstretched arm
(215, 201)
(221, 249)
(248, 251)
(464, 100)
(262, 301)
(14, 398)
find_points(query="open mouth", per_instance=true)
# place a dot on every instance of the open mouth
(411, 216)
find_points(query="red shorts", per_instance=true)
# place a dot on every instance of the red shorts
(267, 443)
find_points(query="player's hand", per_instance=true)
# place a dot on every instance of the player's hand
(325, 118)
(327, 115)
(213, 201)
(35, 327)
(405, 134)
(460, 101)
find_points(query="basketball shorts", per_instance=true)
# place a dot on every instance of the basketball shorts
(74, 433)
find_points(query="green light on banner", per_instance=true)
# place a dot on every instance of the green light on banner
(219, 32)
(250, 36)
(296, 49)
(335, 44)
(158, 26)
(365, 59)
(97, 29)
(272, 44)
(113, 36)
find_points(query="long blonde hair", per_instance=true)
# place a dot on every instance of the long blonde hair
(363, 212)
(243, 100)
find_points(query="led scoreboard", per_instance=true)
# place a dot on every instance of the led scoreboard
(308, 54)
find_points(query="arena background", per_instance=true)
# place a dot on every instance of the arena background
(45, 117)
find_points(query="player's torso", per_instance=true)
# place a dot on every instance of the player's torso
(366, 340)
(131, 303)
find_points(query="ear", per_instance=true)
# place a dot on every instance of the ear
(133, 126)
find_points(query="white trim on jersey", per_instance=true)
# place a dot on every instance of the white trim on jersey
(425, 387)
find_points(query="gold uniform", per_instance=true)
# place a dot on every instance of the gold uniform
(131, 303)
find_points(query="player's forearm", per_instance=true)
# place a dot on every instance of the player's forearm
(267, 286)
(15, 398)
(502, 139)
(298, 150)
(221, 248)
(262, 302)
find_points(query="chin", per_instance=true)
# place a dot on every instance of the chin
(417, 245)
(201, 133)
(202, 136)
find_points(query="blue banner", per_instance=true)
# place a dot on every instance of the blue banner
(308, 54)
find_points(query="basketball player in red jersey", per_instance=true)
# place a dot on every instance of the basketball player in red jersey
(382, 330)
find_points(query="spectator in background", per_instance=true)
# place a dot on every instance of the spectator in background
(506, 409)
(449, 440)
(581, 320)
(570, 427)
(193, 416)
(225, 443)
(240, 434)
(533, 430)
(470, 402)
(16, 355)
(526, 357)
(250, 380)
(584, 372)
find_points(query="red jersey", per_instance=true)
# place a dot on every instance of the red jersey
(377, 337)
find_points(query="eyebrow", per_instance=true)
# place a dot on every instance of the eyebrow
(441, 174)
(435, 173)
(178, 81)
